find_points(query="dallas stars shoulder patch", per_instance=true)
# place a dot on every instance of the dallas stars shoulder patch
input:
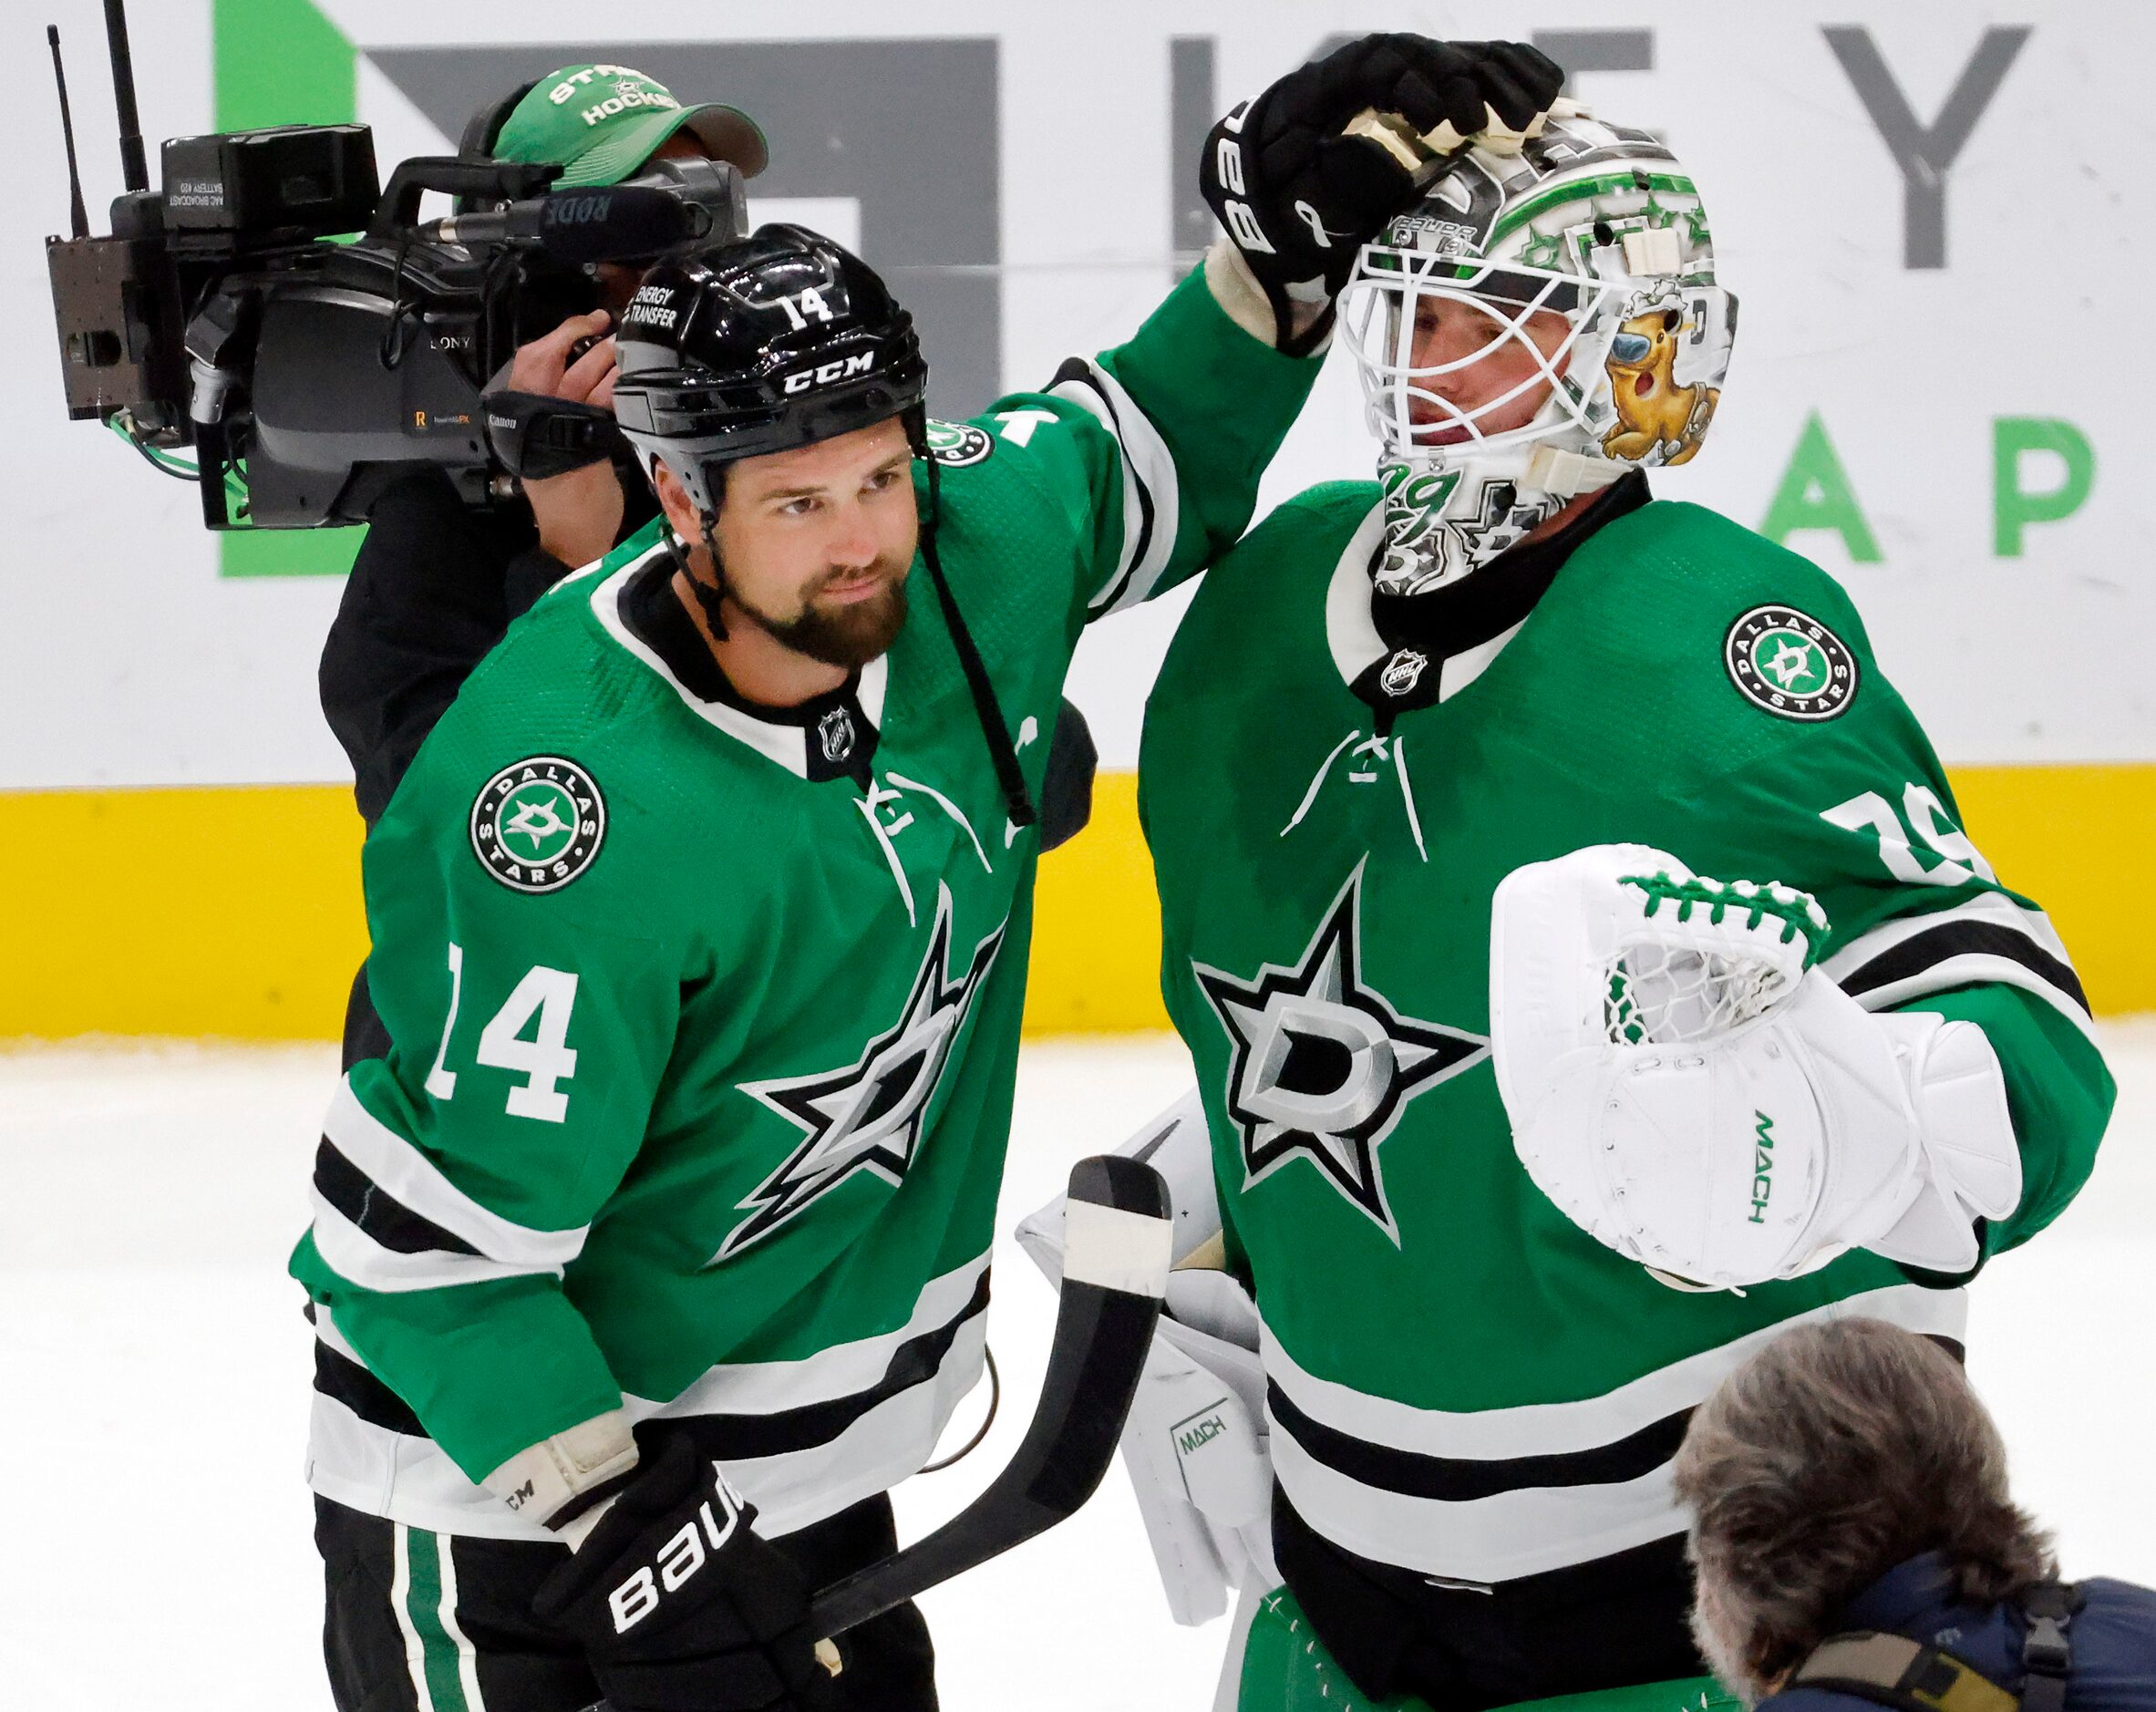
(1787, 663)
(955, 445)
(538, 824)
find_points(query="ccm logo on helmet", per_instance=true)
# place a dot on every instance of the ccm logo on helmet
(823, 374)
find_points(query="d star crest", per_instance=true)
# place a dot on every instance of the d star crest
(867, 1116)
(1323, 1065)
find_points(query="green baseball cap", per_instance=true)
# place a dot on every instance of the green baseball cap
(604, 122)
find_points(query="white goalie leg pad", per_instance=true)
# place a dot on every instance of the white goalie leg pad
(1195, 1441)
(1681, 1088)
(1227, 1694)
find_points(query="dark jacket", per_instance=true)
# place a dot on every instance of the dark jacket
(2113, 1638)
(433, 588)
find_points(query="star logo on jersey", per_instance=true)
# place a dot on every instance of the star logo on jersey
(1788, 663)
(867, 1116)
(1323, 1065)
(537, 824)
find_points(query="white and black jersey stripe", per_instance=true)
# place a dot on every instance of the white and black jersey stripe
(801, 1439)
(387, 1218)
(1986, 938)
(1152, 504)
(1493, 1495)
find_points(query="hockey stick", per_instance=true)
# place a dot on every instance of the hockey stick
(1118, 1239)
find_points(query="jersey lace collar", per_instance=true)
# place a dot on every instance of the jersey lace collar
(830, 737)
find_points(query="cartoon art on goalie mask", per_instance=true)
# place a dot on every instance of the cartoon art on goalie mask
(1658, 418)
(1587, 258)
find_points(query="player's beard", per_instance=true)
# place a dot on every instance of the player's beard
(850, 634)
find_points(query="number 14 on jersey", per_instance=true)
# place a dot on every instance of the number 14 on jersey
(541, 1002)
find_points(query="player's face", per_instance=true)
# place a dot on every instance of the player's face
(1447, 330)
(817, 541)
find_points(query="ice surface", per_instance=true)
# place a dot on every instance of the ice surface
(154, 1550)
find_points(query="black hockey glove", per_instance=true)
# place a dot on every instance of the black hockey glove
(680, 1608)
(1299, 195)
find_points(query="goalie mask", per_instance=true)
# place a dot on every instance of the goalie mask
(1586, 262)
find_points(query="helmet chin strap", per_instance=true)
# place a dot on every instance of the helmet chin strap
(710, 596)
(1569, 474)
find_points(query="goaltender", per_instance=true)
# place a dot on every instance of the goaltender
(660, 1230)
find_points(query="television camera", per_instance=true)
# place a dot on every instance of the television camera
(275, 325)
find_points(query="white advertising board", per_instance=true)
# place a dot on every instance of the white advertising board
(1938, 219)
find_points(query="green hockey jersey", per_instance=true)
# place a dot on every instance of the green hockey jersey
(705, 1018)
(1461, 1382)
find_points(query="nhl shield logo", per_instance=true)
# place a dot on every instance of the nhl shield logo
(538, 824)
(835, 735)
(1789, 664)
(1402, 672)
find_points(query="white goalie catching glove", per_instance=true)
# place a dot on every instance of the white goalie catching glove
(1194, 1441)
(1690, 1091)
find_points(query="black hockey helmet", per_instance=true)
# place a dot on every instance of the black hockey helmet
(770, 342)
(767, 343)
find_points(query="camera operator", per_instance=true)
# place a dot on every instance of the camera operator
(435, 584)
(1855, 1544)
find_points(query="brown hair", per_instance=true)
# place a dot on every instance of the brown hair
(1841, 1449)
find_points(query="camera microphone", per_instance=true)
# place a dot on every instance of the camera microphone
(596, 225)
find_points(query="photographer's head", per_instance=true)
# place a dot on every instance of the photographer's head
(1837, 1452)
(774, 388)
(603, 124)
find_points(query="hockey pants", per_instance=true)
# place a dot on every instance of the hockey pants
(421, 1622)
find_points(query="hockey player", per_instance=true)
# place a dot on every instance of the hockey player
(659, 1233)
(1752, 1034)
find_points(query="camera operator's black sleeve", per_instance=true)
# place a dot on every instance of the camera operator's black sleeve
(435, 585)
(427, 599)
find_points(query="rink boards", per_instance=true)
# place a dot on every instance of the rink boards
(234, 913)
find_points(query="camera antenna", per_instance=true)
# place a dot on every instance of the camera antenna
(78, 218)
(133, 167)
